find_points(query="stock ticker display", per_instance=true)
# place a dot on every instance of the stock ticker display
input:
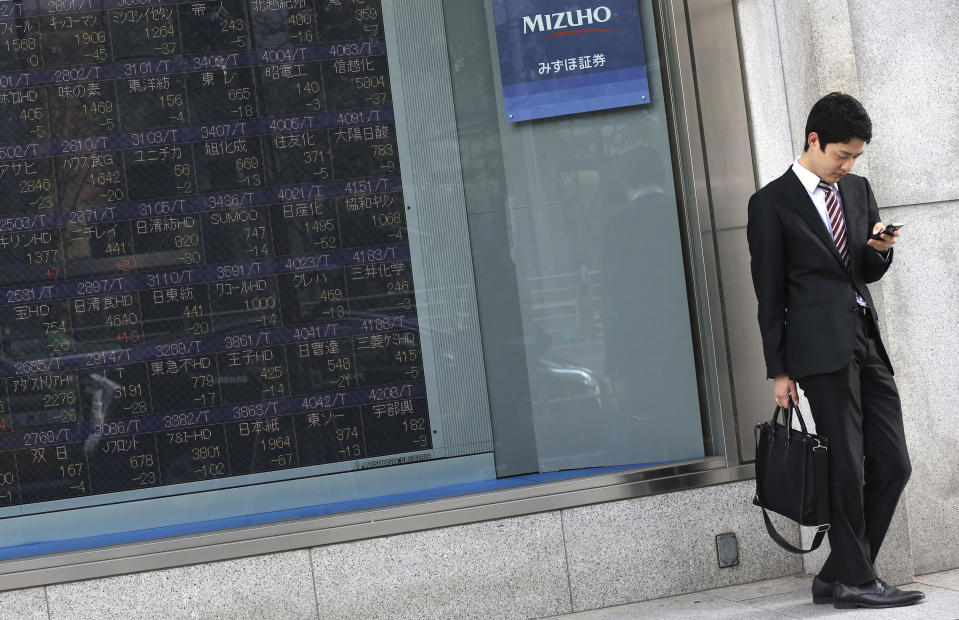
(204, 262)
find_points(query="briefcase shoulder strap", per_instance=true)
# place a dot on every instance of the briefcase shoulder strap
(785, 544)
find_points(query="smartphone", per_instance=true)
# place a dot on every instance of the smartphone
(888, 230)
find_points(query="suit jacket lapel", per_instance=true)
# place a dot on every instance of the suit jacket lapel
(799, 199)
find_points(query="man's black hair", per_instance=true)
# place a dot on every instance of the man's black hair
(838, 117)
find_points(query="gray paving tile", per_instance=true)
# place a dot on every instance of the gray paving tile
(946, 579)
(940, 604)
(685, 607)
(767, 587)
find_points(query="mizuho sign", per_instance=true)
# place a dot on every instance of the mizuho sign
(549, 22)
(562, 57)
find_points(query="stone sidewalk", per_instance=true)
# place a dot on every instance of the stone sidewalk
(784, 598)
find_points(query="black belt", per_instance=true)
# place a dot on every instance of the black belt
(862, 311)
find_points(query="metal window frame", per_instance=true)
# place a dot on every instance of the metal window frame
(675, 21)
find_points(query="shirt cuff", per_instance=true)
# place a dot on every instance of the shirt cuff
(884, 255)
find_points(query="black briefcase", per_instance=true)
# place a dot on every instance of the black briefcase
(792, 476)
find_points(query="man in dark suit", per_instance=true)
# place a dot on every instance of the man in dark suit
(811, 258)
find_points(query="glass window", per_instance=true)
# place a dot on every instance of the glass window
(576, 242)
(267, 259)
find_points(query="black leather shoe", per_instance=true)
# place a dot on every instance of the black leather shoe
(821, 591)
(876, 594)
(915, 593)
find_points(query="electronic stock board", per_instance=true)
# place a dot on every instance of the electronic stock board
(204, 261)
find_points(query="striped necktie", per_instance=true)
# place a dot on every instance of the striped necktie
(837, 226)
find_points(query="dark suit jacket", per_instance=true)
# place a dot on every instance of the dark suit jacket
(807, 296)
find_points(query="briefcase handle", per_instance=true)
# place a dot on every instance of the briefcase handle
(788, 417)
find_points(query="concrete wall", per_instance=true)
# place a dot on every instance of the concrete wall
(523, 567)
(901, 59)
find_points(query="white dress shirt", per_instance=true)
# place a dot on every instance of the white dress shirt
(810, 181)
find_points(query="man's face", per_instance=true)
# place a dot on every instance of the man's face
(838, 158)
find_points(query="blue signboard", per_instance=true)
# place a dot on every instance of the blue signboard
(567, 56)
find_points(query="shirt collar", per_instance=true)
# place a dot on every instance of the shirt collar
(807, 177)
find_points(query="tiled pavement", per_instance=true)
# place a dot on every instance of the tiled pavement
(784, 598)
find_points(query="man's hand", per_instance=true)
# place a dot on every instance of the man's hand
(887, 240)
(785, 388)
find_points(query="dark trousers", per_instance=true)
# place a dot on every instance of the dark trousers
(858, 409)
